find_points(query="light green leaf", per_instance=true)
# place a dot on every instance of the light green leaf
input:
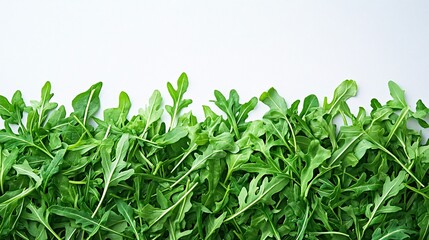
(256, 194)
(398, 96)
(177, 95)
(118, 116)
(25, 169)
(153, 111)
(344, 91)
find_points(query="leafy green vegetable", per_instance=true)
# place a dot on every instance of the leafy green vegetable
(294, 174)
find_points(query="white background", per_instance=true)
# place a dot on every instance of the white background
(298, 47)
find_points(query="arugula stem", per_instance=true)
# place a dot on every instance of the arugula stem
(43, 150)
(83, 126)
(87, 106)
(193, 147)
(397, 123)
(154, 144)
(396, 160)
(292, 133)
(107, 132)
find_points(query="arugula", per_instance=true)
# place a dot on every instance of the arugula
(295, 173)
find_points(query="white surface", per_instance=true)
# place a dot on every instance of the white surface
(137, 46)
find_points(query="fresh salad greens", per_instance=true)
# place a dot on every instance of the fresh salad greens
(293, 174)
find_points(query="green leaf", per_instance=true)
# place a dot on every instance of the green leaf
(392, 231)
(153, 111)
(234, 161)
(315, 156)
(51, 168)
(213, 224)
(256, 194)
(40, 215)
(172, 136)
(6, 108)
(310, 102)
(278, 110)
(177, 95)
(236, 113)
(44, 106)
(398, 96)
(25, 169)
(390, 189)
(118, 116)
(277, 104)
(200, 161)
(7, 159)
(86, 104)
(112, 171)
(421, 114)
(156, 217)
(127, 212)
(82, 219)
(344, 91)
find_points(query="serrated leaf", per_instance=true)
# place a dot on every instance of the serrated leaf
(255, 194)
(177, 95)
(344, 91)
(118, 116)
(153, 111)
(213, 224)
(315, 156)
(7, 159)
(127, 212)
(83, 219)
(25, 169)
(390, 189)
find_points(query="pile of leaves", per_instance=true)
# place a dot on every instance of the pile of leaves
(296, 173)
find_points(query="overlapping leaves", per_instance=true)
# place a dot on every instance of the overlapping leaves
(294, 174)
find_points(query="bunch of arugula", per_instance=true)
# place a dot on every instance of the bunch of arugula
(294, 174)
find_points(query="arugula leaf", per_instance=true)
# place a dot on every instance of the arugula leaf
(392, 231)
(390, 189)
(177, 95)
(398, 96)
(40, 215)
(52, 168)
(86, 104)
(310, 171)
(314, 157)
(83, 219)
(344, 91)
(127, 212)
(7, 159)
(236, 113)
(44, 106)
(153, 111)
(112, 171)
(118, 116)
(278, 110)
(213, 224)
(249, 197)
(156, 217)
(25, 169)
